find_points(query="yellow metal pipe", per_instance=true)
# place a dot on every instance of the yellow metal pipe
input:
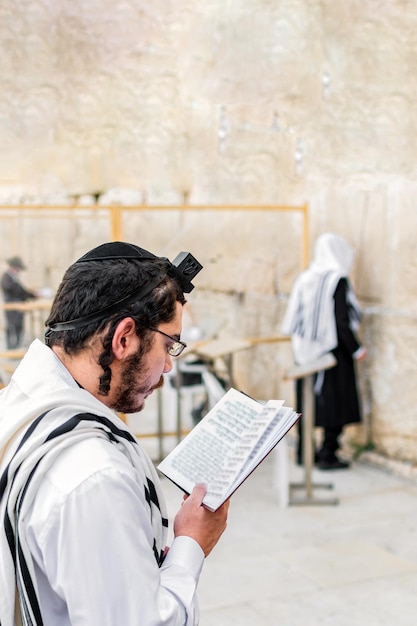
(116, 223)
(116, 214)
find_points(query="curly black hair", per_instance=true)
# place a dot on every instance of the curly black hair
(91, 286)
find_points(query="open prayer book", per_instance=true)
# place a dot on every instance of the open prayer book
(227, 445)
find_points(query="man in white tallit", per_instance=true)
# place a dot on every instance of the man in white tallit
(83, 519)
(323, 316)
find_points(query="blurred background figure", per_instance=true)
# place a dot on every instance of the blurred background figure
(14, 291)
(194, 372)
(323, 316)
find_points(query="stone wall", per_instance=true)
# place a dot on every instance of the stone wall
(242, 103)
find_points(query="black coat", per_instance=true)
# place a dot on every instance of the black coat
(14, 291)
(338, 402)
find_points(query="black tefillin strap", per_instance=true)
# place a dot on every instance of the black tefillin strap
(79, 322)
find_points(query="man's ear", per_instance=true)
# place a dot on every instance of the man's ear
(125, 340)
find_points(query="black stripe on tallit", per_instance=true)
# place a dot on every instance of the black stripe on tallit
(72, 423)
(8, 526)
(24, 611)
(152, 498)
(317, 302)
(159, 556)
(29, 590)
(4, 476)
(298, 328)
(26, 585)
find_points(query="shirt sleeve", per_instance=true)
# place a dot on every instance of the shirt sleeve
(94, 544)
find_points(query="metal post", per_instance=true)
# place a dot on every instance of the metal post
(307, 428)
(178, 382)
(160, 426)
(307, 374)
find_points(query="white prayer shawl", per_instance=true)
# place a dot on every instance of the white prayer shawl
(310, 316)
(25, 458)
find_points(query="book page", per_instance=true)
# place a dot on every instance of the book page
(219, 445)
(199, 455)
(277, 428)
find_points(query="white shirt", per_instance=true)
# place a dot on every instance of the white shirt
(89, 533)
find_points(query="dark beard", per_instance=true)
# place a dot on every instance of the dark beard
(126, 400)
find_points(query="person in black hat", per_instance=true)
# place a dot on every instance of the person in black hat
(81, 503)
(14, 291)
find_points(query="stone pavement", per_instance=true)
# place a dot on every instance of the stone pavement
(349, 564)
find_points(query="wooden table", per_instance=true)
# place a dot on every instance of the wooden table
(37, 310)
(38, 304)
(223, 348)
(12, 355)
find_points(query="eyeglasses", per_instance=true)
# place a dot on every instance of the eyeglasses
(177, 345)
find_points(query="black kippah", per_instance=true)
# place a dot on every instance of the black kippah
(116, 250)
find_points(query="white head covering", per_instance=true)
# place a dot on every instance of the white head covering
(309, 318)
